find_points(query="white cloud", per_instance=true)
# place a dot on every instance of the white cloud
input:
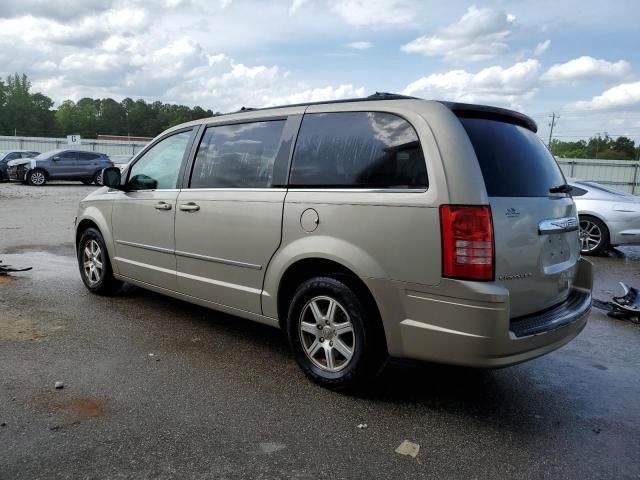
(296, 5)
(625, 96)
(319, 95)
(361, 13)
(497, 85)
(360, 45)
(586, 67)
(541, 48)
(479, 35)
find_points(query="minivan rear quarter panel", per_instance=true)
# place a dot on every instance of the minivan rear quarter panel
(377, 233)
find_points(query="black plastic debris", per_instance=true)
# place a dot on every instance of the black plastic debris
(4, 269)
(624, 307)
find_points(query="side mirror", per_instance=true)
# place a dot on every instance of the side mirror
(112, 178)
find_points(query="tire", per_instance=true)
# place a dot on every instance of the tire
(95, 267)
(594, 235)
(97, 178)
(87, 182)
(337, 358)
(37, 177)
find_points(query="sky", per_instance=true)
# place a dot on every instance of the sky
(579, 59)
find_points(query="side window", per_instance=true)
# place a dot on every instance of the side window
(67, 156)
(87, 156)
(159, 167)
(13, 156)
(237, 156)
(358, 150)
(577, 192)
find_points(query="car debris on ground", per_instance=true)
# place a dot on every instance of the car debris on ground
(408, 448)
(4, 269)
(624, 307)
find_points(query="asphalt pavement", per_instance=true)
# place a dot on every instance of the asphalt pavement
(158, 388)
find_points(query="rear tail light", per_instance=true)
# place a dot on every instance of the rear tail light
(467, 242)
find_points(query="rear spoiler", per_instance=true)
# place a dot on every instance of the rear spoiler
(491, 113)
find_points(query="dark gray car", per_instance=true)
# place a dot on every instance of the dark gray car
(7, 155)
(60, 165)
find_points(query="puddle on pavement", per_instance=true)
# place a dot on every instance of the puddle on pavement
(83, 408)
(46, 265)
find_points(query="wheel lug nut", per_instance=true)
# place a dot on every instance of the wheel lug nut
(322, 339)
(331, 344)
(319, 327)
(326, 322)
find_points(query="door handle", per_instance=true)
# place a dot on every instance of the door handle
(190, 207)
(162, 206)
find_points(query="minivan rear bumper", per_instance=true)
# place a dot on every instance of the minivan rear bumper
(474, 328)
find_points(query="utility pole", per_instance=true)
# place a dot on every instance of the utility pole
(554, 119)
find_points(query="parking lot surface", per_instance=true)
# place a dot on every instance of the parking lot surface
(158, 388)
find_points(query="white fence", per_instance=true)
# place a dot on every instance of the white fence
(620, 174)
(43, 144)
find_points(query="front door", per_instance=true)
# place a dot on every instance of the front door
(64, 165)
(229, 220)
(143, 217)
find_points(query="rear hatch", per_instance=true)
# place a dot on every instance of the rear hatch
(535, 226)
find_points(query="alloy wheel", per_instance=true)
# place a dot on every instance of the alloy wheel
(92, 262)
(326, 333)
(37, 178)
(590, 236)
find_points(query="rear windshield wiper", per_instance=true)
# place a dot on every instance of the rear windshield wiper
(561, 189)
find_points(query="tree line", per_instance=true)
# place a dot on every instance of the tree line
(604, 148)
(25, 113)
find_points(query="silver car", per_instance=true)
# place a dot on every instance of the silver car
(367, 228)
(608, 217)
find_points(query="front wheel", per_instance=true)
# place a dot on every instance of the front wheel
(36, 178)
(594, 235)
(95, 267)
(97, 178)
(331, 333)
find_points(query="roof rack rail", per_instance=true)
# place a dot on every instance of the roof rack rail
(373, 97)
(388, 96)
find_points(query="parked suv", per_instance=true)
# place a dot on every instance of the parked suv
(386, 226)
(60, 165)
(8, 155)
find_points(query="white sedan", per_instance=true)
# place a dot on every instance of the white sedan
(608, 217)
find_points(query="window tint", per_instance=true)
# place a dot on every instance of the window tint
(577, 191)
(237, 156)
(513, 160)
(158, 168)
(87, 156)
(13, 156)
(67, 156)
(358, 150)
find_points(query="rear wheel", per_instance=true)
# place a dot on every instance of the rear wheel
(331, 334)
(594, 235)
(95, 267)
(36, 178)
(97, 178)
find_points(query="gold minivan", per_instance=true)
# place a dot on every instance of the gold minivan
(366, 228)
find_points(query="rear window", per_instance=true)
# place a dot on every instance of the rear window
(513, 160)
(357, 150)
